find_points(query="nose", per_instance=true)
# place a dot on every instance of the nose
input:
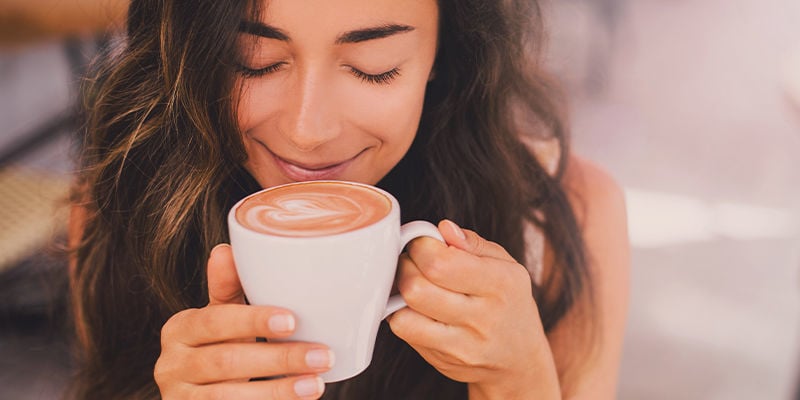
(310, 118)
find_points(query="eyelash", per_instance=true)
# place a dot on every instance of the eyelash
(379, 79)
(255, 73)
(384, 78)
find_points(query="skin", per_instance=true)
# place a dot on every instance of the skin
(500, 350)
(470, 313)
(326, 113)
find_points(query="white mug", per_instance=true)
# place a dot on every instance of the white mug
(337, 286)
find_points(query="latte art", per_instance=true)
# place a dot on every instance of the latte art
(311, 213)
(313, 209)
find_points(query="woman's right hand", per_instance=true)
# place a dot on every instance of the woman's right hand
(211, 352)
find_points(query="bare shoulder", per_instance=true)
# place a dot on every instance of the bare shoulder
(594, 194)
(599, 205)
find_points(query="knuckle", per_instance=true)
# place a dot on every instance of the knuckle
(437, 268)
(480, 245)
(172, 328)
(160, 371)
(212, 324)
(167, 333)
(420, 245)
(206, 320)
(292, 357)
(403, 260)
(413, 247)
(221, 360)
(523, 275)
(278, 391)
(260, 322)
(520, 277)
(285, 358)
(398, 324)
(411, 288)
(496, 247)
(166, 369)
(296, 357)
(405, 267)
(283, 389)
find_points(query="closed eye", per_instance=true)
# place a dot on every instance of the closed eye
(378, 79)
(255, 73)
(384, 78)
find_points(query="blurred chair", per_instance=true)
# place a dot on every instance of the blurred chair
(35, 198)
(34, 334)
(24, 21)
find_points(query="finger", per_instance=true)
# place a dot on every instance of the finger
(429, 299)
(200, 326)
(419, 330)
(223, 281)
(301, 387)
(459, 271)
(471, 242)
(236, 361)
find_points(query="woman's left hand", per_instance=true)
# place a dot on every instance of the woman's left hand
(471, 315)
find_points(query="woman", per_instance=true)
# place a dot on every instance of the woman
(434, 102)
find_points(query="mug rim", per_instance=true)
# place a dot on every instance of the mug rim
(233, 222)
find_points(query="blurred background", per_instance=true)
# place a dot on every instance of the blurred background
(693, 105)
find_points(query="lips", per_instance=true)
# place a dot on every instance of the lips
(297, 171)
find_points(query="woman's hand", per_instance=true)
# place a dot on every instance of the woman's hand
(212, 353)
(471, 315)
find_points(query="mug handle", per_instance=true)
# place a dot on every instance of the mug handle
(409, 232)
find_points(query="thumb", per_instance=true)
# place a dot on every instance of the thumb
(471, 242)
(223, 281)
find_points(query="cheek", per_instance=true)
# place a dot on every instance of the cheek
(390, 113)
(242, 104)
(254, 103)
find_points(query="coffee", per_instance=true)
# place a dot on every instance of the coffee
(338, 284)
(312, 209)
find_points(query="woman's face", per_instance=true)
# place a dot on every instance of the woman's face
(333, 89)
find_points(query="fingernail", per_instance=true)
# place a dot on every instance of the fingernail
(456, 229)
(319, 358)
(309, 386)
(281, 323)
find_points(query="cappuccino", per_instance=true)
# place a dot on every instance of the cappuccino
(311, 209)
(327, 250)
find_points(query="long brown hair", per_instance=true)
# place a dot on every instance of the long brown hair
(162, 162)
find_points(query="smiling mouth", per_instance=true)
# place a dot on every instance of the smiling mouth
(297, 171)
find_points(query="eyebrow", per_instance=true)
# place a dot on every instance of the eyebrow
(355, 36)
(378, 32)
(265, 31)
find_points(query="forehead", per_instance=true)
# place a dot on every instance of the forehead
(331, 17)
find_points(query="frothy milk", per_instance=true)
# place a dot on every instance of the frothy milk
(313, 209)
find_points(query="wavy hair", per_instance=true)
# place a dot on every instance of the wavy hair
(162, 163)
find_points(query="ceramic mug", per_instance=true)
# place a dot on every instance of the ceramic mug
(336, 281)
